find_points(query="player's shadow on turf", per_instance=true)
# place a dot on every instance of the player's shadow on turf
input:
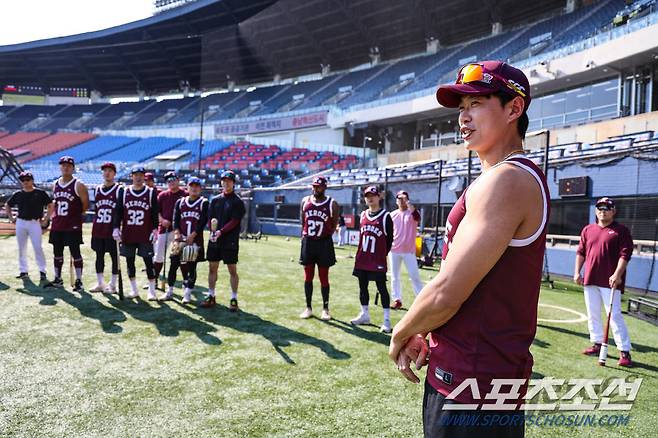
(278, 335)
(167, 320)
(107, 316)
(356, 330)
(641, 348)
(3, 286)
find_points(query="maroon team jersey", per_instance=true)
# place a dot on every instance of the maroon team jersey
(190, 215)
(106, 204)
(136, 225)
(602, 248)
(490, 335)
(68, 207)
(371, 255)
(166, 202)
(318, 222)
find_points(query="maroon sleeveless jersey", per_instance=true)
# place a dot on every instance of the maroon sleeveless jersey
(490, 335)
(68, 207)
(106, 204)
(318, 223)
(371, 255)
(136, 216)
(190, 215)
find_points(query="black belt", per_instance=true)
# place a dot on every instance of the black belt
(29, 219)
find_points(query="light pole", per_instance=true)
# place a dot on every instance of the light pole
(365, 139)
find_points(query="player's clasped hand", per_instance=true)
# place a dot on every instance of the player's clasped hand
(215, 235)
(415, 350)
(154, 236)
(116, 234)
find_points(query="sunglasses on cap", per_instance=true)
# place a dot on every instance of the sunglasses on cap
(603, 208)
(479, 73)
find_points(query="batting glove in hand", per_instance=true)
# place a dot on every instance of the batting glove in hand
(116, 235)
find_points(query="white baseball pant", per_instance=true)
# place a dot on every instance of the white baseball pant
(593, 297)
(29, 229)
(411, 263)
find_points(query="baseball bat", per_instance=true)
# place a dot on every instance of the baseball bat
(603, 353)
(71, 272)
(119, 269)
(163, 275)
(214, 224)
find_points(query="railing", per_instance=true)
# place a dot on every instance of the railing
(580, 116)
(595, 40)
(639, 246)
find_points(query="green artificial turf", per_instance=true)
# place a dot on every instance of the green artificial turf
(81, 364)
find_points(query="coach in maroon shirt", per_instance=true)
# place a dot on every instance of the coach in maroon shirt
(605, 249)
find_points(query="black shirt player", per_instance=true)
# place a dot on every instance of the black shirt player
(30, 222)
(227, 210)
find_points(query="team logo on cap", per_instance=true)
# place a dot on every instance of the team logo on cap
(486, 77)
(516, 87)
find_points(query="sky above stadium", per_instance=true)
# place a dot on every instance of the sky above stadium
(30, 20)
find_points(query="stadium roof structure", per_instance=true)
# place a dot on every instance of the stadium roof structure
(207, 43)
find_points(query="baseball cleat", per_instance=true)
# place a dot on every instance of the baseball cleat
(208, 302)
(362, 319)
(386, 327)
(77, 287)
(133, 294)
(397, 305)
(57, 282)
(110, 289)
(187, 296)
(98, 288)
(233, 305)
(625, 359)
(593, 350)
(168, 296)
(325, 316)
(22, 275)
(151, 296)
(306, 314)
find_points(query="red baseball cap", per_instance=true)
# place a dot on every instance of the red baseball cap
(148, 176)
(606, 201)
(109, 165)
(372, 190)
(402, 193)
(319, 181)
(483, 78)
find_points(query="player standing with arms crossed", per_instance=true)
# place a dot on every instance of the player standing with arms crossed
(481, 309)
(227, 209)
(105, 201)
(319, 216)
(135, 226)
(166, 201)
(190, 218)
(31, 222)
(71, 200)
(375, 241)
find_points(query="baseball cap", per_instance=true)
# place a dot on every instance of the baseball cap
(138, 169)
(148, 176)
(25, 175)
(319, 181)
(229, 174)
(372, 190)
(482, 78)
(402, 193)
(606, 201)
(109, 165)
(170, 176)
(66, 159)
(194, 180)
